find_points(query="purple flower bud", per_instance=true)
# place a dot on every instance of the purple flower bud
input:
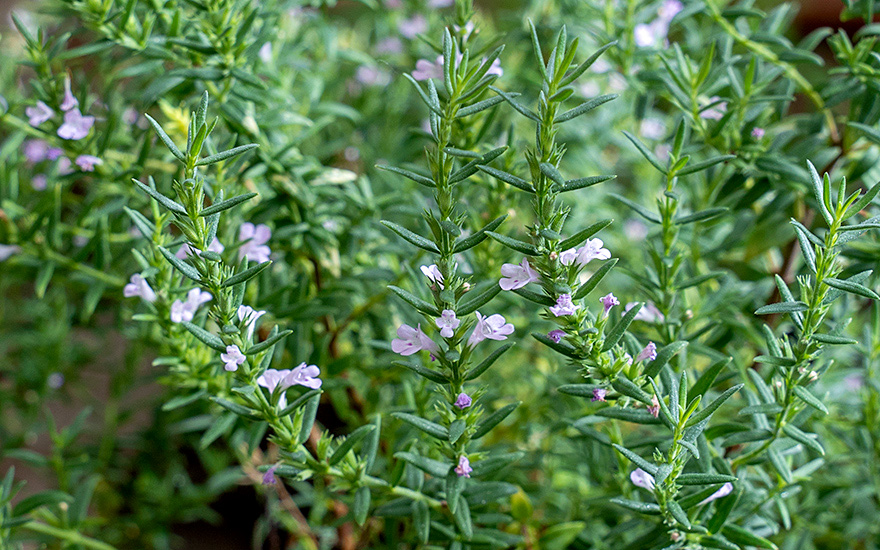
(650, 352)
(757, 133)
(608, 302)
(556, 335)
(464, 467)
(269, 476)
(599, 394)
(464, 401)
(564, 306)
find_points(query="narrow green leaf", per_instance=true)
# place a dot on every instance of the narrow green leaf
(227, 204)
(664, 355)
(484, 365)
(817, 186)
(166, 139)
(702, 215)
(638, 209)
(161, 199)
(415, 301)
(418, 178)
(226, 154)
(246, 275)
(594, 280)
(519, 246)
(494, 419)
(613, 336)
(782, 307)
(507, 178)
(473, 240)
(581, 183)
(851, 287)
(636, 459)
(713, 406)
(584, 108)
(431, 428)
(704, 479)
(268, 342)
(698, 166)
(584, 234)
(411, 237)
(810, 399)
(430, 374)
(349, 442)
(808, 440)
(473, 303)
(643, 149)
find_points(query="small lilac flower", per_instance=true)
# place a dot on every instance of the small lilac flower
(39, 182)
(76, 125)
(464, 467)
(432, 272)
(654, 407)
(35, 150)
(463, 401)
(187, 249)
(272, 379)
(517, 276)
(53, 153)
(599, 394)
(567, 257)
(69, 102)
(647, 35)
(495, 68)
(249, 316)
(426, 70)
(7, 250)
(413, 26)
(64, 166)
(493, 327)
(556, 335)
(265, 53)
(305, 375)
(593, 249)
(39, 114)
(643, 479)
(649, 313)
(87, 163)
(185, 311)
(440, 3)
(669, 9)
(627, 358)
(232, 358)
(650, 352)
(390, 45)
(269, 476)
(139, 287)
(564, 306)
(447, 323)
(412, 340)
(652, 128)
(757, 133)
(608, 302)
(130, 116)
(255, 237)
(716, 111)
(723, 491)
(55, 380)
(635, 230)
(371, 76)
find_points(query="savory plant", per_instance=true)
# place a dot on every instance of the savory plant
(346, 270)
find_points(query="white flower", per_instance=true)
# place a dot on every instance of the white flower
(256, 237)
(643, 479)
(593, 249)
(7, 250)
(271, 379)
(649, 313)
(232, 358)
(652, 128)
(139, 287)
(265, 53)
(517, 276)
(447, 323)
(432, 272)
(412, 340)
(305, 375)
(185, 311)
(725, 490)
(249, 316)
(493, 327)
(716, 111)
(187, 249)
(69, 102)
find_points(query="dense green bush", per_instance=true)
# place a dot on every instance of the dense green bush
(347, 274)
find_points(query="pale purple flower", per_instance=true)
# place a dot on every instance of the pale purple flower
(130, 116)
(567, 257)
(426, 70)
(53, 153)
(564, 306)
(556, 335)
(232, 359)
(185, 311)
(757, 133)
(635, 230)
(7, 250)
(440, 3)
(412, 340)
(593, 249)
(87, 163)
(390, 45)
(517, 276)
(599, 394)
(447, 323)
(55, 380)
(39, 114)
(643, 479)
(305, 375)
(76, 125)
(493, 327)
(413, 26)
(463, 401)
(249, 316)
(608, 302)
(652, 128)
(654, 407)
(723, 491)
(39, 182)
(187, 249)
(256, 237)
(495, 68)
(669, 9)
(35, 150)
(265, 53)
(272, 379)
(269, 476)
(432, 272)
(716, 111)
(647, 35)
(649, 313)
(649, 352)
(64, 166)
(80, 241)
(139, 287)
(662, 151)
(371, 76)
(69, 102)
(464, 467)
